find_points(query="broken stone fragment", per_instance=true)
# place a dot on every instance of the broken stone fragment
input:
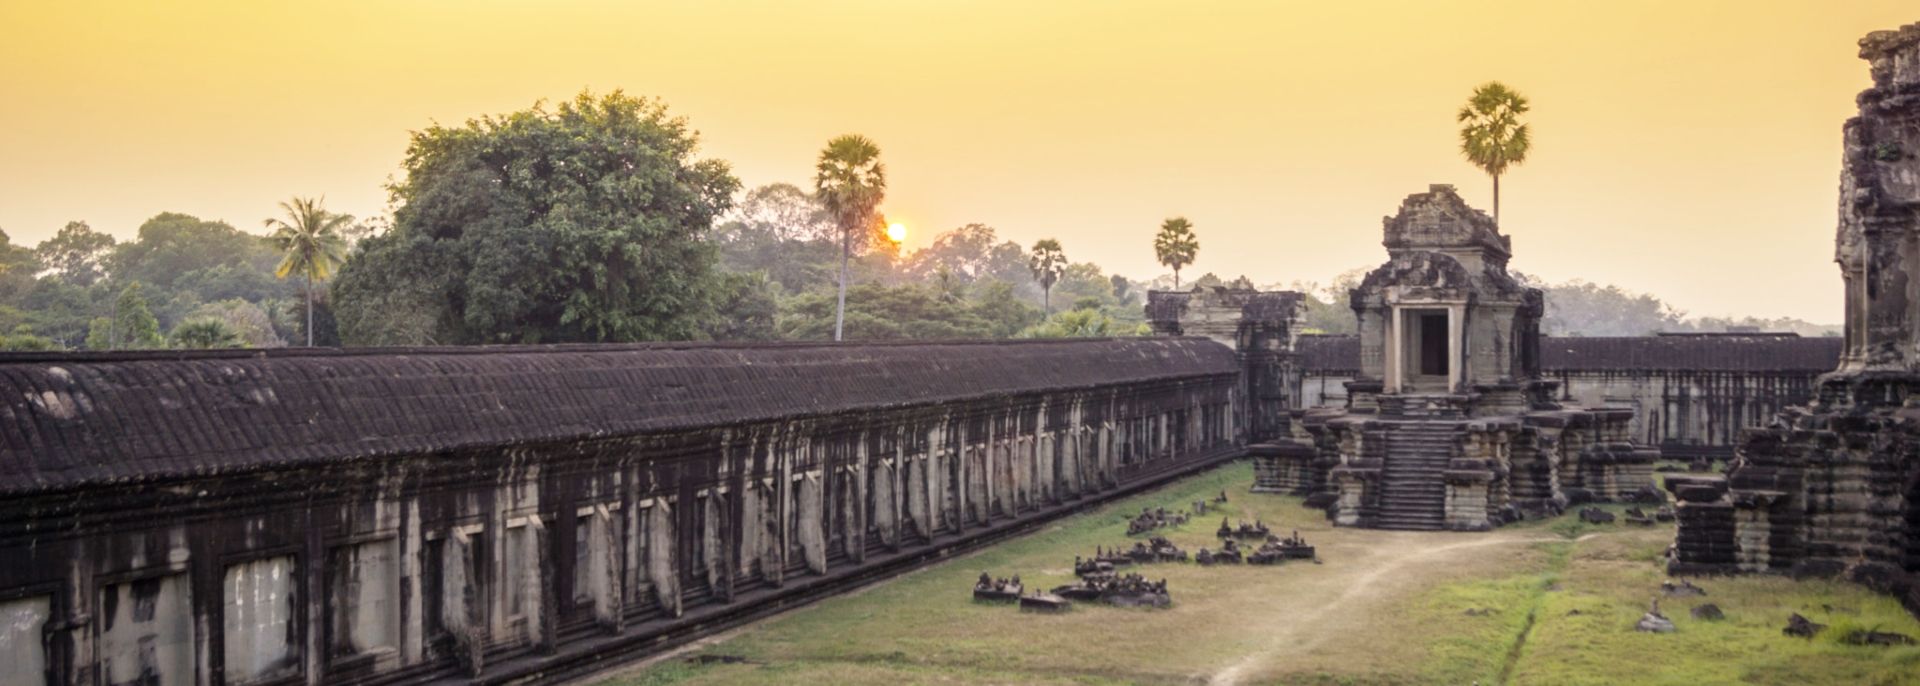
(1801, 627)
(1681, 590)
(1654, 623)
(1869, 637)
(1709, 612)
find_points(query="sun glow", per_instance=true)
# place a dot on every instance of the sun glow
(897, 232)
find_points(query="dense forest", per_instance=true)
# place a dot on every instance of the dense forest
(594, 220)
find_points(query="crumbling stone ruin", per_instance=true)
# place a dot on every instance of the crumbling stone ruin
(529, 514)
(1833, 486)
(1277, 550)
(1448, 423)
(1154, 518)
(1228, 554)
(1130, 590)
(1044, 602)
(994, 590)
(1255, 531)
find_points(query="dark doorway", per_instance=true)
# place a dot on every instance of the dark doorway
(1433, 344)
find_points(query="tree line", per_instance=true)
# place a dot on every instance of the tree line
(595, 219)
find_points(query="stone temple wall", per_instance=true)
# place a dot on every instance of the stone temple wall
(1692, 395)
(529, 514)
(1833, 486)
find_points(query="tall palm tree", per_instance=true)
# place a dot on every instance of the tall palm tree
(1047, 262)
(1176, 246)
(312, 244)
(1492, 136)
(850, 182)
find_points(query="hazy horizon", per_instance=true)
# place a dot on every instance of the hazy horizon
(1688, 152)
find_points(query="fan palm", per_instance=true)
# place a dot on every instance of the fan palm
(311, 243)
(850, 182)
(1176, 246)
(1048, 263)
(1492, 136)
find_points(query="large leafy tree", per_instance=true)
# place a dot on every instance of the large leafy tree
(77, 254)
(850, 181)
(131, 327)
(581, 222)
(1175, 246)
(1492, 136)
(312, 243)
(1047, 262)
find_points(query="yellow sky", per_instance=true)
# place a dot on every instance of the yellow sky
(1689, 149)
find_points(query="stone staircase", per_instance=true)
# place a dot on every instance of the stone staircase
(1413, 489)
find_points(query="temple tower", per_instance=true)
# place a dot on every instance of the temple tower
(1833, 487)
(1444, 329)
(1448, 424)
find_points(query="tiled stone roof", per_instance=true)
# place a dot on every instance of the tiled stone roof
(68, 419)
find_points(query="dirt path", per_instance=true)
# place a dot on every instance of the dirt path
(1394, 564)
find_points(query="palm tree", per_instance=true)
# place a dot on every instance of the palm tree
(849, 182)
(1047, 263)
(1176, 245)
(1492, 136)
(311, 244)
(206, 333)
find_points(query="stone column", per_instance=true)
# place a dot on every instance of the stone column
(1393, 351)
(1456, 360)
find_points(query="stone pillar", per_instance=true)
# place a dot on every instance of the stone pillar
(1394, 371)
(1751, 530)
(1456, 357)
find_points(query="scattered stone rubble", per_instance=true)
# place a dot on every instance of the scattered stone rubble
(1801, 627)
(1684, 589)
(996, 590)
(1594, 515)
(1255, 531)
(1653, 621)
(1873, 637)
(1277, 550)
(1155, 518)
(1228, 554)
(1130, 590)
(1708, 612)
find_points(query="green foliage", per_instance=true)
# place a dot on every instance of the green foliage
(1087, 322)
(132, 327)
(76, 255)
(1175, 246)
(909, 311)
(17, 268)
(199, 334)
(745, 308)
(780, 231)
(1492, 136)
(312, 244)
(850, 182)
(22, 339)
(1048, 263)
(580, 223)
(211, 260)
(248, 321)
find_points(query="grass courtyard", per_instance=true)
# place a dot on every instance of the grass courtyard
(1547, 602)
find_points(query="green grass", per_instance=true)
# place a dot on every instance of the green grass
(1385, 608)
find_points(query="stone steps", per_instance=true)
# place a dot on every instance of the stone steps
(1413, 493)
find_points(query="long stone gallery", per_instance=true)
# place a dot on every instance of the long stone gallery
(537, 514)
